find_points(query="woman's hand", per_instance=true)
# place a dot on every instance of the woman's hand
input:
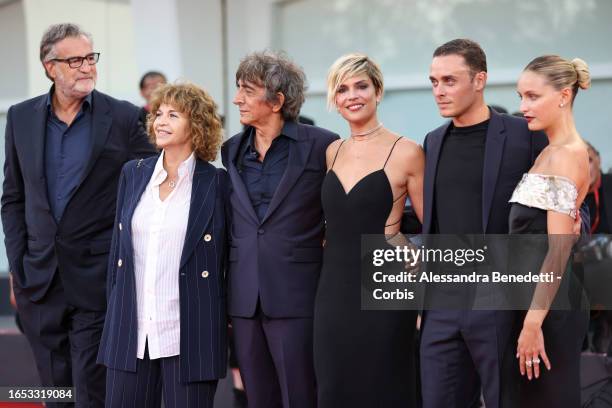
(412, 266)
(577, 227)
(12, 295)
(530, 348)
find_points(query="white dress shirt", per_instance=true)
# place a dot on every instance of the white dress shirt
(158, 231)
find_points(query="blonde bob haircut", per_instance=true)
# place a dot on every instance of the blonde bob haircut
(197, 105)
(347, 67)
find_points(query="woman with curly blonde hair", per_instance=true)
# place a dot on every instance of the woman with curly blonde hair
(165, 328)
(206, 130)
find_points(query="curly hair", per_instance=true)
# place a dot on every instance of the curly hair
(276, 73)
(205, 126)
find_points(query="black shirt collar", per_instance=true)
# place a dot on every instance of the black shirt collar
(86, 101)
(289, 130)
(471, 128)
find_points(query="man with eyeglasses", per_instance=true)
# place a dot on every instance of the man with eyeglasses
(64, 154)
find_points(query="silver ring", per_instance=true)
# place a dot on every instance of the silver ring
(528, 363)
(536, 361)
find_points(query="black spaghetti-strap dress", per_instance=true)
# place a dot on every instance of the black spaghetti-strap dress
(362, 358)
(563, 330)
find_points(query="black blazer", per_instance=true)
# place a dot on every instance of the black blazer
(510, 150)
(203, 345)
(77, 245)
(606, 193)
(278, 259)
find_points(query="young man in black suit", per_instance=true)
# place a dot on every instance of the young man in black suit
(473, 163)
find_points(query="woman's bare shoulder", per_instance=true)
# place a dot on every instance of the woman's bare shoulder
(332, 148)
(408, 156)
(566, 160)
(408, 148)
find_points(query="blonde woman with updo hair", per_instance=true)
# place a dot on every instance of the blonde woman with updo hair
(363, 358)
(547, 201)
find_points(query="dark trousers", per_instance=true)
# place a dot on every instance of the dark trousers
(64, 340)
(460, 352)
(144, 387)
(276, 361)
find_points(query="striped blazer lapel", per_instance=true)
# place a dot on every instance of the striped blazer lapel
(203, 193)
(136, 185)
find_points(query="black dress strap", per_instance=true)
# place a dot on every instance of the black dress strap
(393, 147)
(336, 155)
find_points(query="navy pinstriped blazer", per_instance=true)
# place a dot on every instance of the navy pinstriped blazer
(203, 346)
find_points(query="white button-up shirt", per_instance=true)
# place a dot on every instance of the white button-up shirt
(158, 230)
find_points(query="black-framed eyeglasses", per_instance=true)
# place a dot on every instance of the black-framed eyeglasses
(77, 62)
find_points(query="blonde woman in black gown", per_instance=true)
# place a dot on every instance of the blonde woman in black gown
(363, 358)
(546, 201)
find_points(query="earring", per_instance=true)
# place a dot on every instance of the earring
(561, 105)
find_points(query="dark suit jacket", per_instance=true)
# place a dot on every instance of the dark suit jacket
(203, 347)
(510, 150)
(605, 210)
(278, 260)
(78, 244)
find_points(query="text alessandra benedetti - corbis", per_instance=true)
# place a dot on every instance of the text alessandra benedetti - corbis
(473, 277)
